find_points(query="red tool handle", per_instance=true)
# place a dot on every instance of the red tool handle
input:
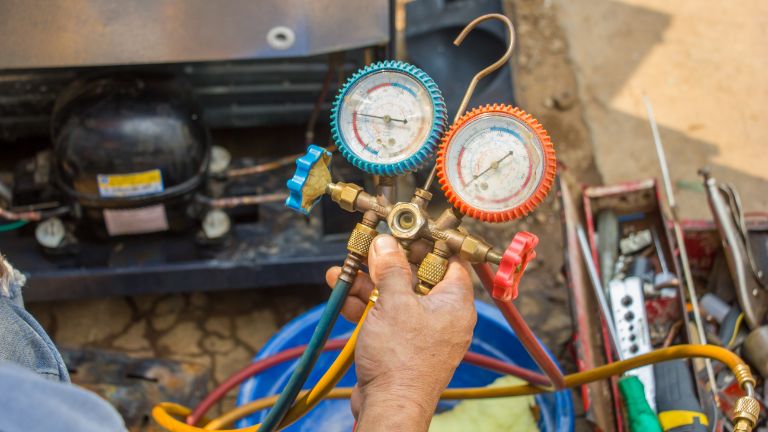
(519, 253)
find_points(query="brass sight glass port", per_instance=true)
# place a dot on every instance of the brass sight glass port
(406, 221)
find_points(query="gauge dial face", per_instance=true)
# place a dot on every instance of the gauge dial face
(386, 117)
(495, 163)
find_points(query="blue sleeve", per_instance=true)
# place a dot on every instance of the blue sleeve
(31, 403)
(22, 340)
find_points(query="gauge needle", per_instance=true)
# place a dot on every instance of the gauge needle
(386, 118)
(493, 166)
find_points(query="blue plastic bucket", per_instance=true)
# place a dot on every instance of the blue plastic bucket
(492, 337)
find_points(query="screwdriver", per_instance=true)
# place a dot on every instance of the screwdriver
(676, 402)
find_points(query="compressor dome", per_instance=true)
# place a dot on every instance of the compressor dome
(125, 140)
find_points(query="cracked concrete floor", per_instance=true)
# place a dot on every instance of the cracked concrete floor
(222, 331)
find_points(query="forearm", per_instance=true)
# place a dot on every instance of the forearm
(392, 412)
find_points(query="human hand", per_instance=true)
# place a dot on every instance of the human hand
(409, 346)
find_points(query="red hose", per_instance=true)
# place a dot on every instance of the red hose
(523, 332)
(256, 368)
(251, 370)
(499, 366)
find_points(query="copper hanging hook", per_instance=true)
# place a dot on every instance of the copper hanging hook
(497, 64)
(480, 75)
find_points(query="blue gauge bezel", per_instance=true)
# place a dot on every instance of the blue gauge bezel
(421, 156)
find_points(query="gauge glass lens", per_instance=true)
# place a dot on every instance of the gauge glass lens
(386, 117)
(495, 162)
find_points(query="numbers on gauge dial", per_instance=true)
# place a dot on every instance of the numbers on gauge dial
(386, 117)
(495, 162)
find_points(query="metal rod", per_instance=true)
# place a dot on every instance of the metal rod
(659, 251)
(592, 271)
(680, 240)
(480, 75)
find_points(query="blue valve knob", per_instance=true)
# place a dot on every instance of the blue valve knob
(308, 184)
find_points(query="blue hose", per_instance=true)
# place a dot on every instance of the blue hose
(308, 358)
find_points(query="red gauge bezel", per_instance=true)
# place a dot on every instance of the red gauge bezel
(547, 179)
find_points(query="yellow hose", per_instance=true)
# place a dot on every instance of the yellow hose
(327, 382)
(236, 414)
(739, 368)
(163, 412)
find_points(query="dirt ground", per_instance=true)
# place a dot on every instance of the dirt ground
(580, 68)
(701, 63)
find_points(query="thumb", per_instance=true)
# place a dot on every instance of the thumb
(456, 284)
(389, 269)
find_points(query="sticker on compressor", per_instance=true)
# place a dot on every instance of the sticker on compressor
(130, 185)
(141, 220)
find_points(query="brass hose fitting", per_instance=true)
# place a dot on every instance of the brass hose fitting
(345, 194)
(358, 245)
(745, 414)
(744, 376)
(431, 271)
(360, 239)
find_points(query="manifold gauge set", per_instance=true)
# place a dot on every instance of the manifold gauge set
(494, 163)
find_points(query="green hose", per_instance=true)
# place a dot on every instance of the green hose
(13, 225)
(308, 358)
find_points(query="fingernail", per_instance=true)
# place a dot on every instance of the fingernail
(384, 244)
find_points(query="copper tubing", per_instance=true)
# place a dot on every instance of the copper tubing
(245, 200)
(674, 330)
(309, 135)
(271, 165)
(32, 215)
(521, 329)
(264, 167)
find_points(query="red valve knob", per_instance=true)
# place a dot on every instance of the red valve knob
(519, 253)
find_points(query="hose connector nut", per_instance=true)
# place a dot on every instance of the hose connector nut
(360, 239)
(345, 194)
(744, 376)
(745, 414)
(474, 249)
(431, 271)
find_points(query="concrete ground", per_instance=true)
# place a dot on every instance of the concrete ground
(701, 63)
(581, 67)
(221, 331)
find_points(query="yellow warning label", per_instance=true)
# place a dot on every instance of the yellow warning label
(129, 185)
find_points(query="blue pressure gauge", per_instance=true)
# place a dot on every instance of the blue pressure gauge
(388, 118)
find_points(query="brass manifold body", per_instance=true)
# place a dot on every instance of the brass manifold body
(408, 223)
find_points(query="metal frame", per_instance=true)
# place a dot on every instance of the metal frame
(254, 257)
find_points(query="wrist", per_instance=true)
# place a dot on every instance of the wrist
(395, 409)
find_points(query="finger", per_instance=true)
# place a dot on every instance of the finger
(456, 283)
(355, 402)
(390, 270)
(362, 287)
(352, 309)
(419, 250)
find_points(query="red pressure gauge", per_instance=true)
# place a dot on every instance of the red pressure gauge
(496, 163)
